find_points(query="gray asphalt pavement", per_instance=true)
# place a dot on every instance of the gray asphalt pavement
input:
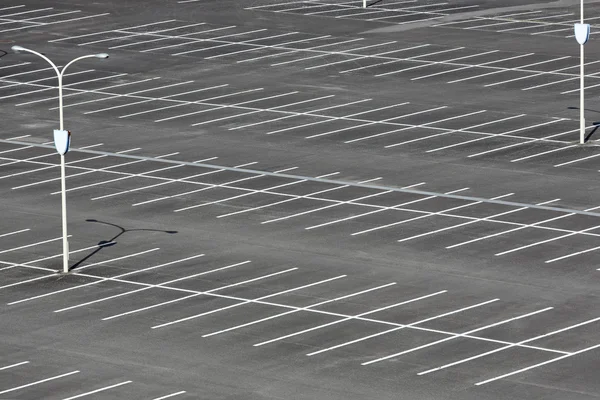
(271, 199)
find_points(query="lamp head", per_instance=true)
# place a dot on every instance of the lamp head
(17, 48)
(101, 55)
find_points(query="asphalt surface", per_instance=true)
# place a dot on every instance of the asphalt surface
(300, 200)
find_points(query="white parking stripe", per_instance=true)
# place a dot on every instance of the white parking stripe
(322, 53)
(423, 321)
(576, 160)
(572, 255)
(295, 311)
(546, 241)
(417, 57)
(387, 62)
(286, 52)
(252, 48)
(537, 365)
(79, 269)
(527, 141)
(543, 153)
(208, 186)
(522, 226)
(247, 112)
(15, 232)
(424, 215)
(457, 69)
(221, 288)
(160, 285)
(280, 201)
(151, 40)
(461, 224)
(464, 334)
(566, 354)
(38, 382)
(128, 176)
(352, 59)
(215, 39)
(97, 390)
(345, 319)
(30, 245)
(312, 114)
(471, 127)
(535, 75)
(150, 186)
(14, 365)
(336, 204)
(190, 41)
(183, 391)
(100, 33)
(215, 107)
(431, 123)
(498, 71)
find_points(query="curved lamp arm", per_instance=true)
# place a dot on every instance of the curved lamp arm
(59, 74)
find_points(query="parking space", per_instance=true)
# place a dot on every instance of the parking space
(490, 68)
(267, 199)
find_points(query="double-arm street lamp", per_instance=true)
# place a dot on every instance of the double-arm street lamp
(63, 137)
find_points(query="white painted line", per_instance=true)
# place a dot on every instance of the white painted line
(97, 390)
(345, 319)
(534, 75)
(457, 69)
(79, 269)
(352, 59)
(215, 39)
(161, 285)
(30, 245)
(151, 40)
(321, 53)
(252, 48)
(216, 107)
(128, 176)
(312, 114)
(280, 201)
(150, 186)
(417, 57)
(144, 288)
(287, 116)
(15, 232)
(221, 288)
(176, 393)
(208, 186)
(567, 354)
(129, 94)
(286, 52)
(336, 204)
(424, 215)
(545, 241)
(422, 321)
(537, 365)
(542, 153)
(26, 12)
(465, 334)
(13, 365)
(99, 33)
(496, 71)
(247, 112)
(431, 123)
(461, 224)
(38, 382)
(572, 255)
(576, 160)
(297, 310)
(527, 141)
(190, 40)
(387, 62)
(520, 227)
(471, 127)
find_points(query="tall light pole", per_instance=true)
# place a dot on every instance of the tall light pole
(60, 74)
(582, 34)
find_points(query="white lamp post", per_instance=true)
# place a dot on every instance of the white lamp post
(65, 148)
(582, 34)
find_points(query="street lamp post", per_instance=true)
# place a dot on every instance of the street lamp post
(60, 74)
(582, 34)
